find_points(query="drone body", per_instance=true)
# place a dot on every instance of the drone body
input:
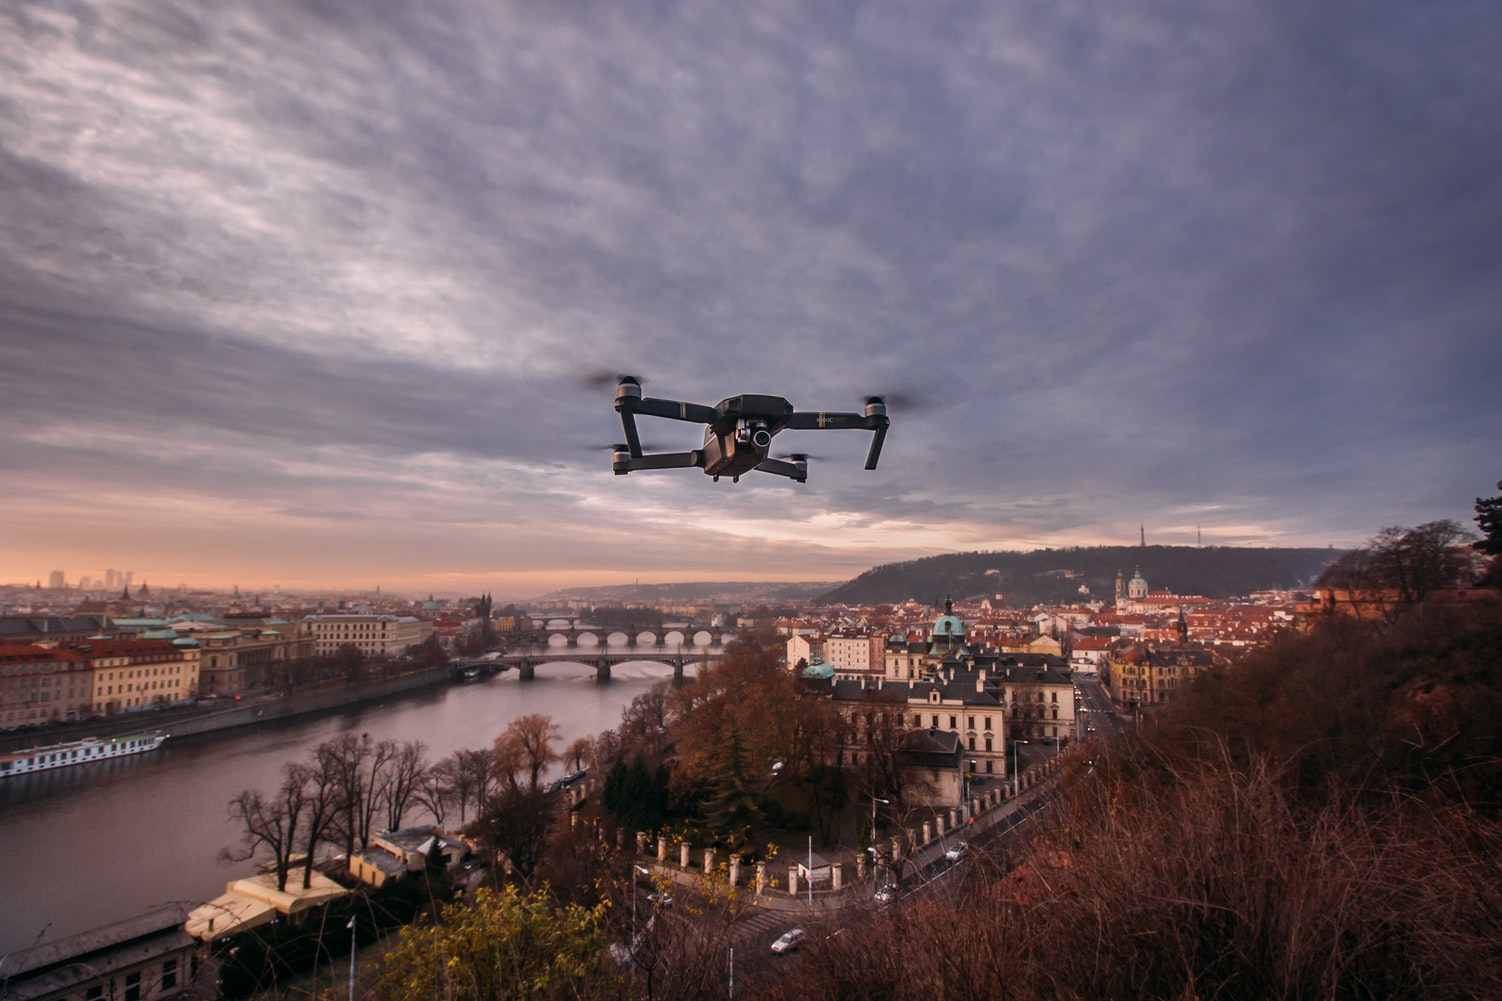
(738, 432)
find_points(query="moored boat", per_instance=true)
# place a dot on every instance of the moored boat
(78, 752)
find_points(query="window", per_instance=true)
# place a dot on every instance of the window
(936, 721)
(988, 745)
(94, 993)
(989, 769)
(971, 724)
(133, 986)
(954, 722)
(169, 974)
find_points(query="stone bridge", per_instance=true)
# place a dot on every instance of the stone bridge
(526, 663)
(545, 634)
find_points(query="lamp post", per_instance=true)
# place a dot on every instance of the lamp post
(874, 801)
(636, 870)
(1016, 761)
(352, 939)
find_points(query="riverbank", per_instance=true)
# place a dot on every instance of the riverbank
(226, 713)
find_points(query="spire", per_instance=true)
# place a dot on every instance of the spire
(1142, 528)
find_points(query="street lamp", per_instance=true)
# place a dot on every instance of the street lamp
(353, 938)
(874, 801)
(636, 870)
(1016, 761)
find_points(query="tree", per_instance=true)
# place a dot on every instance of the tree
(474, 778)
(270, 823)
(349, 663)
(1399, 567)
(405, 776)
(528, 742)
(516, 823)
(505, 945)
(733, 803)
(1489, 518)
(577, 754)
(435, 789)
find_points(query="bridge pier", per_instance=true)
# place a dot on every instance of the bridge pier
(677, 669)
(602, 671)
(525, 671)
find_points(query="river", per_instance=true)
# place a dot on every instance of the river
(94, 844)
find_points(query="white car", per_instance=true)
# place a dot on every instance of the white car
(886, 895)
(957, 852)
(790, 941)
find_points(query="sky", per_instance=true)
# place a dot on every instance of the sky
(310, 294)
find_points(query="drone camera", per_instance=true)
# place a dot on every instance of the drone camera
(756, 434)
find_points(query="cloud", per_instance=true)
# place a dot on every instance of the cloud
(340, 275)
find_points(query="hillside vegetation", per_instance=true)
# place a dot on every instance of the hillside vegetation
(1321, 821)
(1055, 575)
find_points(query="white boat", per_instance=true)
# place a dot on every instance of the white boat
(78, 752)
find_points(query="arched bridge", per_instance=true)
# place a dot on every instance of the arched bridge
(545, 632)
(526, 663)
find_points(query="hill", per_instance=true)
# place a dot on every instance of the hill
(1057, 575)
(727, 592)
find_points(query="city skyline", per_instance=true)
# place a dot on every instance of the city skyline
(287, 298)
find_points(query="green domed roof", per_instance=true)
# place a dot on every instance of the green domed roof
(949, 624)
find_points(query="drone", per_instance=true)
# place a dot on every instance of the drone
(738, 433)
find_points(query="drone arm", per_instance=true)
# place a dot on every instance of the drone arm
(792, 470)
(674, 410)
(876, 442)
(810, 421)
(624, 464)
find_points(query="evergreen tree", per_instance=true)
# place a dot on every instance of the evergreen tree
(1489, 519)
(733, 803)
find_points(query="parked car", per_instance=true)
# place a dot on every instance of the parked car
(957, 852)
(790, 941)
(886, 895)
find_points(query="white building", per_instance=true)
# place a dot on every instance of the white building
(808, 648)
(372, 635)
(854, 652)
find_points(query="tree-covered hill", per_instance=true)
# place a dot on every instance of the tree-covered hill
(1056, 575)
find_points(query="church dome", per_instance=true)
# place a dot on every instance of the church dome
(949, 625)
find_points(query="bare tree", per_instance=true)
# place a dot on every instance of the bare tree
(320, 799)
(435, 790)
(1408, 563)
(270, 823)
(405, 775)
(474, 779)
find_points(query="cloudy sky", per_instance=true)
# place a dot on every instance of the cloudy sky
(307, 293)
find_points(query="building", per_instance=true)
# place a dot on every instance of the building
(140, 959)
(804, 648)
(382, 635)
(252, 655)
(133, 674)
(40, 685)
(854, 652)
(1139, 676)
(255, 900)
(47, 683)
(396, 853)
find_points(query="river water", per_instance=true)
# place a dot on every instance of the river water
(93, 844)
